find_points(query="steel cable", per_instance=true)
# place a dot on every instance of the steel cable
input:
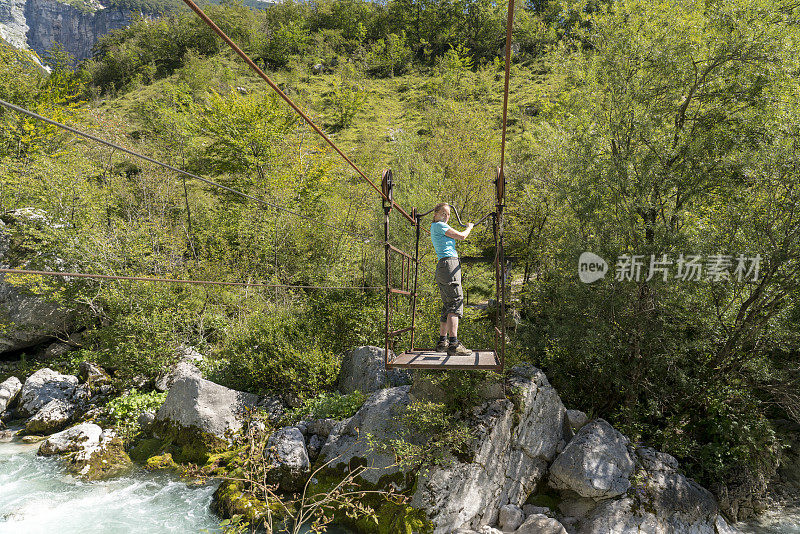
(180, 280)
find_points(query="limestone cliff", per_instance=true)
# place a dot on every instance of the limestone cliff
(40, 24)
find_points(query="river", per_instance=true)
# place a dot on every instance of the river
(37, 496)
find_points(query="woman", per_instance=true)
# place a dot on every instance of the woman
(448, 277)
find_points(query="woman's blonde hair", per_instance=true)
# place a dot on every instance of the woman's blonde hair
(438, 211)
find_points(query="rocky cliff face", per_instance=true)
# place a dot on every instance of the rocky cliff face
(52, 22)
(40, 24)
(12, 22)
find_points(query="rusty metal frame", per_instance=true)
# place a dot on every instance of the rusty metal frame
(409, 288)
(500, 268)
(406, 260)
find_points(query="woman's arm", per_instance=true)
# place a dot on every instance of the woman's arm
(455, 234)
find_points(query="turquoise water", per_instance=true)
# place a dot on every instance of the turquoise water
(37, 496)
(784, 522)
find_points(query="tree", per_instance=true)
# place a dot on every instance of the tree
(667, 119)
(389, 56)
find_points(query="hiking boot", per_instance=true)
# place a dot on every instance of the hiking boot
(458, 350)
(442, 346)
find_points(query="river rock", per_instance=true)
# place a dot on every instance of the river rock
(9, 392)
(596, 463)
(511, 517)
(363, 369)
(71, 439)
(44, 386)
(53, 417)
(90, 452)
(93, 376)
(514, 443)
(286, 453)
(541, 524)
(194, 403)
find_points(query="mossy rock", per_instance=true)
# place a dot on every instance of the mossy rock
(108, 461)
(164, 461)
(145, 449)
(230, 499)
(188, 445)
(389, 517)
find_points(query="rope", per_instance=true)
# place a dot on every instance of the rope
(181, 171)
(289, 101)
(179, 280)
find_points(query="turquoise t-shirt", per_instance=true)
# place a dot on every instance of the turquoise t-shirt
(445, 246)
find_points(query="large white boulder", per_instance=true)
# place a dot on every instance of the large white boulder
(44, 386)
(660, 500)
(194, 403)
(515, 442)
(596, 463)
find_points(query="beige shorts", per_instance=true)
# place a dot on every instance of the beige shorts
(448, 278)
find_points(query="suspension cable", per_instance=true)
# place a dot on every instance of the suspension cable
(180, 280)
(273, 85)
(185, 173)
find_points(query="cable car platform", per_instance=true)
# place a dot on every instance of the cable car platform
(430, 359)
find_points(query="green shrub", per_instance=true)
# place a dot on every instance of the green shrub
(124, 411)
(430, 434)
(333, 405)
(277, 353)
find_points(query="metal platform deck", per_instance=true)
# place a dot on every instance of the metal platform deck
(430, 359)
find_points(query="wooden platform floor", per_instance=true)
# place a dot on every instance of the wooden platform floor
(430, 359)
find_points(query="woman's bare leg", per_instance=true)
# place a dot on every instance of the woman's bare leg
(452, 325)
